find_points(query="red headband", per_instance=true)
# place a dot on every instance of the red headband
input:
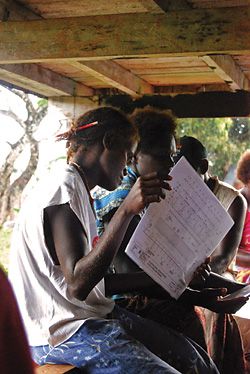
(86, 126)
(83, 127)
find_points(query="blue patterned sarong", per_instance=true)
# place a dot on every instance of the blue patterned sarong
(127, 344)
(105, 201)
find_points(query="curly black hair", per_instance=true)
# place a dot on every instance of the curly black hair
(156, 128)
(243, 167)
(91, 127)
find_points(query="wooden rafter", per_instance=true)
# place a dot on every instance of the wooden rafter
(204, 104)
(42, 81)
(32, 76)
(227, 69)
(115, 75)
(190, 89)
(210, 31)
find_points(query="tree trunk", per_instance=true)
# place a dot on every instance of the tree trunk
(11, 196)
(10, 192)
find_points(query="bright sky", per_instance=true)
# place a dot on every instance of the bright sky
(11, 131)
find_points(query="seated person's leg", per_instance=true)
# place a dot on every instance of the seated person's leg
(172, 347)
(103, 346)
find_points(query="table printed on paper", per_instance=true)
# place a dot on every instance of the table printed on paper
(176, 235)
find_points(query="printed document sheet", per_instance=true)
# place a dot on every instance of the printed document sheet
(176, 235)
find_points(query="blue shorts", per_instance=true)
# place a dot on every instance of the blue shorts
(127, 344)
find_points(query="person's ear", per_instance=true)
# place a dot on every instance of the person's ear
(109, 141)
(204, 166)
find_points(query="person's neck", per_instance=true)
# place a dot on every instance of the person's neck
(205, 177)
(87, 172)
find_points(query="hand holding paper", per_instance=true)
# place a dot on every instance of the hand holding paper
(243, 292)
(176, 235)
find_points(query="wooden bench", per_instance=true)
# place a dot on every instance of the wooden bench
(57, 369)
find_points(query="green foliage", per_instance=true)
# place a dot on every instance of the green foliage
(225, 139)
(240, 130)
(42, 103)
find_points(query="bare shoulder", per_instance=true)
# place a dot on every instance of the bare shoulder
(62, 212)
(238, 206)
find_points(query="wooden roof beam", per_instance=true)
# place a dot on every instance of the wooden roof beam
(196, 31)
(190, 89)
(30, 76)
(227, 69)
(113, 74)
(45, 82)
(199, 105)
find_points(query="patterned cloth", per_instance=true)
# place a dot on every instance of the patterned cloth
(243, 276)
(218, 334)
(105, 201)
(224, 342)
(130, 344)
(245, 240)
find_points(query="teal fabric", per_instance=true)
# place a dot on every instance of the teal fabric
(105, 201)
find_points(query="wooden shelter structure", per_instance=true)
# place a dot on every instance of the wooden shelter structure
(192, 56)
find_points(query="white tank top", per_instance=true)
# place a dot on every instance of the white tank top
(225, 193)
(50, 315)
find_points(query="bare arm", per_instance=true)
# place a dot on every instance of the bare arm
(82, 268)
(218, 281)
(122, 263)
(227, 249)
(141, 283)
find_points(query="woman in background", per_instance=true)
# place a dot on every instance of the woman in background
(243, 255)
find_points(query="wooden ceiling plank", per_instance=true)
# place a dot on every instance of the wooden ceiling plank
(115, 76)
(161, 62)
(177, 79)
(175, 70)
(227, 69)
(77, 8)
(190, 89)
(32, 77)
(199, 32)
(45, 82)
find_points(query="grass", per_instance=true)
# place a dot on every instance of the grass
(5, 236)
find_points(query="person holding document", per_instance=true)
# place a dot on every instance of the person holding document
(231, 199)
(154, 152)
(243, 254)
(58, 267)
(222, 332)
